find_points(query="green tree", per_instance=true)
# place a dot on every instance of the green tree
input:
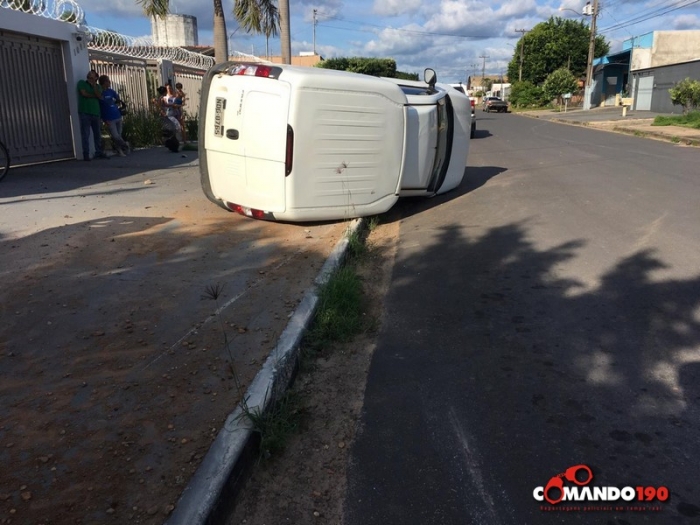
(109, 38)
(258, 16)
(69, 14)
(407, 76)
(554, 44)
(686, 94)
(377, 67)
(526, 94)
(559, 82)
(28, 6)
(160, 8)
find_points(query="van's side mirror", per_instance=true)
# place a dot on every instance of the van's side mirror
(430, 78)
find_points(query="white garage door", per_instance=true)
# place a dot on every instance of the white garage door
(646, 86)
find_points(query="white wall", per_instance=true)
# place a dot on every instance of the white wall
(175, 30)
(75, 55)
(673, 47)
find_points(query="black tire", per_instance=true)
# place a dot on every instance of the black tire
(4, 161)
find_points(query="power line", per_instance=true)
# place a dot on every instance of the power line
(414, 31)
(648, 16)
(655, 12)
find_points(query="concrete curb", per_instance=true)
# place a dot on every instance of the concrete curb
(209, 495)
(678, 139)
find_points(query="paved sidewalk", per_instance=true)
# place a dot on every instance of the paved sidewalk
(637, 123)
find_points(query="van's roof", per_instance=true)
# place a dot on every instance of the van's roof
(314, 77)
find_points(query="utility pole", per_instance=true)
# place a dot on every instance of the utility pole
(483, 69)
(593, 13)
(522, 51)
(315, 11)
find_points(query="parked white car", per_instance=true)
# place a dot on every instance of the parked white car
(290, 143)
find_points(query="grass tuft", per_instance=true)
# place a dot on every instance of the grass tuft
(373, 223)
(691, 120)
(339, 315)
(275, 425)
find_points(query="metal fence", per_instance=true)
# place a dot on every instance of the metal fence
(39, 125)
(34, 111)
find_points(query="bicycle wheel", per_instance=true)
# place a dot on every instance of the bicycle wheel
(4, 161)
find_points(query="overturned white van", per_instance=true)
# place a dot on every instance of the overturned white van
(292, 143)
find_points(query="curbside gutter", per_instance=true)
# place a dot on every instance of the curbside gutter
(210, 494)
(693, 140)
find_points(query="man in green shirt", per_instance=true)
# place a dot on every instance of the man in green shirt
(89, 94)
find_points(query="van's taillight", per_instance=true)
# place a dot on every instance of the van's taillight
(250, 212)
(472, 102)
(290, 151)
(257, 71)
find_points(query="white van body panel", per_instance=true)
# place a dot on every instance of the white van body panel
(420, 149)
(249, 169)
(349, 143)
(422, 135)
(461, 106)
(359, 142)
(349, 149)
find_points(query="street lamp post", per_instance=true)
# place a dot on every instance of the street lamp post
(593, 13)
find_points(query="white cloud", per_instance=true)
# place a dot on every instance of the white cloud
(325, 9)
(393, 41)
(395, 7)
(686, 22)
(117, 8)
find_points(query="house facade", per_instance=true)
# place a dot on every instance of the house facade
(646, 68)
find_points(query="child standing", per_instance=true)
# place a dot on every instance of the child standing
(181, 99)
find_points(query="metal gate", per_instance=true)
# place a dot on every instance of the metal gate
(128, 76)
(645, 87)
(34, 113)
(191, 80)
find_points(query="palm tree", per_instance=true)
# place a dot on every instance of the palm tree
(160, 8)
(284, 32)
(220, 40)
(258, 16)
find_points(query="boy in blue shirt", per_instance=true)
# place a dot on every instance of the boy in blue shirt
(109, 111)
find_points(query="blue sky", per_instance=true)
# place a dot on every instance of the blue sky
(450, 36)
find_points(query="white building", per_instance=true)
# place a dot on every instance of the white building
(175, 31)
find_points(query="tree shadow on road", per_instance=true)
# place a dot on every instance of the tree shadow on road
(556, 372)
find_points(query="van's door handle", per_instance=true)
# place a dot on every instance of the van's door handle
(232, 134)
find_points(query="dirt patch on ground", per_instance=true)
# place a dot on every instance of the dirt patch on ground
(115, 377)
(307, 482)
